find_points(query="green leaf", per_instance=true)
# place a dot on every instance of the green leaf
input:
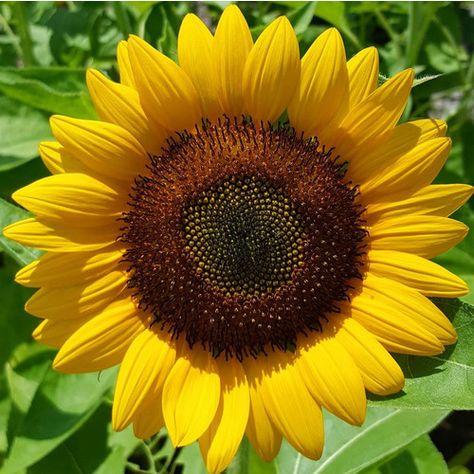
(301, 18)
(441, 381)
(351, 449)
(22, 128)
(419, 457)
(56, 89)
(10, 213)
(247, 461)
(335, 13)
(62, 404)
(93, 449)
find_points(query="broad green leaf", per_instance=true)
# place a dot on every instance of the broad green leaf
(419, 457)
(301, 18)
(444, 381)
(10, 213)
(335, 13)
(62, 404)
(15, 325)
(56, 90)
(22, 128)
(351, 449)
(93, 449)
(247, 461)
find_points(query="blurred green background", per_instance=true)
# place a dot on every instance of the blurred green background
(51, 423)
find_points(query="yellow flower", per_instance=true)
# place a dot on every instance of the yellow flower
(244, 273)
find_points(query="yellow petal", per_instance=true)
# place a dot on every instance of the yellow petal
(77, 301)
(72, 198)
(104, 147)
(411, 304)
(222, 439)
(191, 396)
(167, 95)
(323, 93)
(118, 104)
(50, 153)
(196, 57)
(262, 434)
(332, 377)
(144, 369)
(410, 172)
(375, 115)
(59, 238)
(232, 45)
(427, 277)
(149, 418)
(59, 270)
(58, 160)
(372, 159)
(435, 200)
(388, 322)
(288, 403)
(363, 71)
(379, 371)
(426, 236)
(126, 71)
(56, 333)
(272, 72)
(103, 341)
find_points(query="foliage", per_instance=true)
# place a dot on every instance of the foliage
(52, 423)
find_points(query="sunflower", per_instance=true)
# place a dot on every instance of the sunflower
(243, 268)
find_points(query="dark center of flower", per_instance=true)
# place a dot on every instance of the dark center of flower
(242, 238)
(244, 235)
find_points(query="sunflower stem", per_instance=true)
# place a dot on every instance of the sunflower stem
(149, 456)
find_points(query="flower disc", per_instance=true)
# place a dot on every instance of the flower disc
(242, 237)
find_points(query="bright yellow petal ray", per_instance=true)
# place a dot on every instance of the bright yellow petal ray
(118, 104)
(323, 93)
(55, 333)
(54, 270)
(104, 147)
(196, 57)
(384, 317)
(372, 117)
(260, 431)
(332, 377)
(379, 371)
(426, 236)
(435, 200)
(103, 341)
(416, 272)
(167, 95)
(410, 172)
(75, 199)
(363, 71)
(222, 439)
(272, 72)
(289, 404)
(149, 419)
(51, 156)
(126, 72)
(77, 301)
(232, 45)
(142, 374)
(411, 304)
(58, 238)
(191, 396)
(371, 160)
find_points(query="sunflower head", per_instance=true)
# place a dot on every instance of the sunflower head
(245, 270)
